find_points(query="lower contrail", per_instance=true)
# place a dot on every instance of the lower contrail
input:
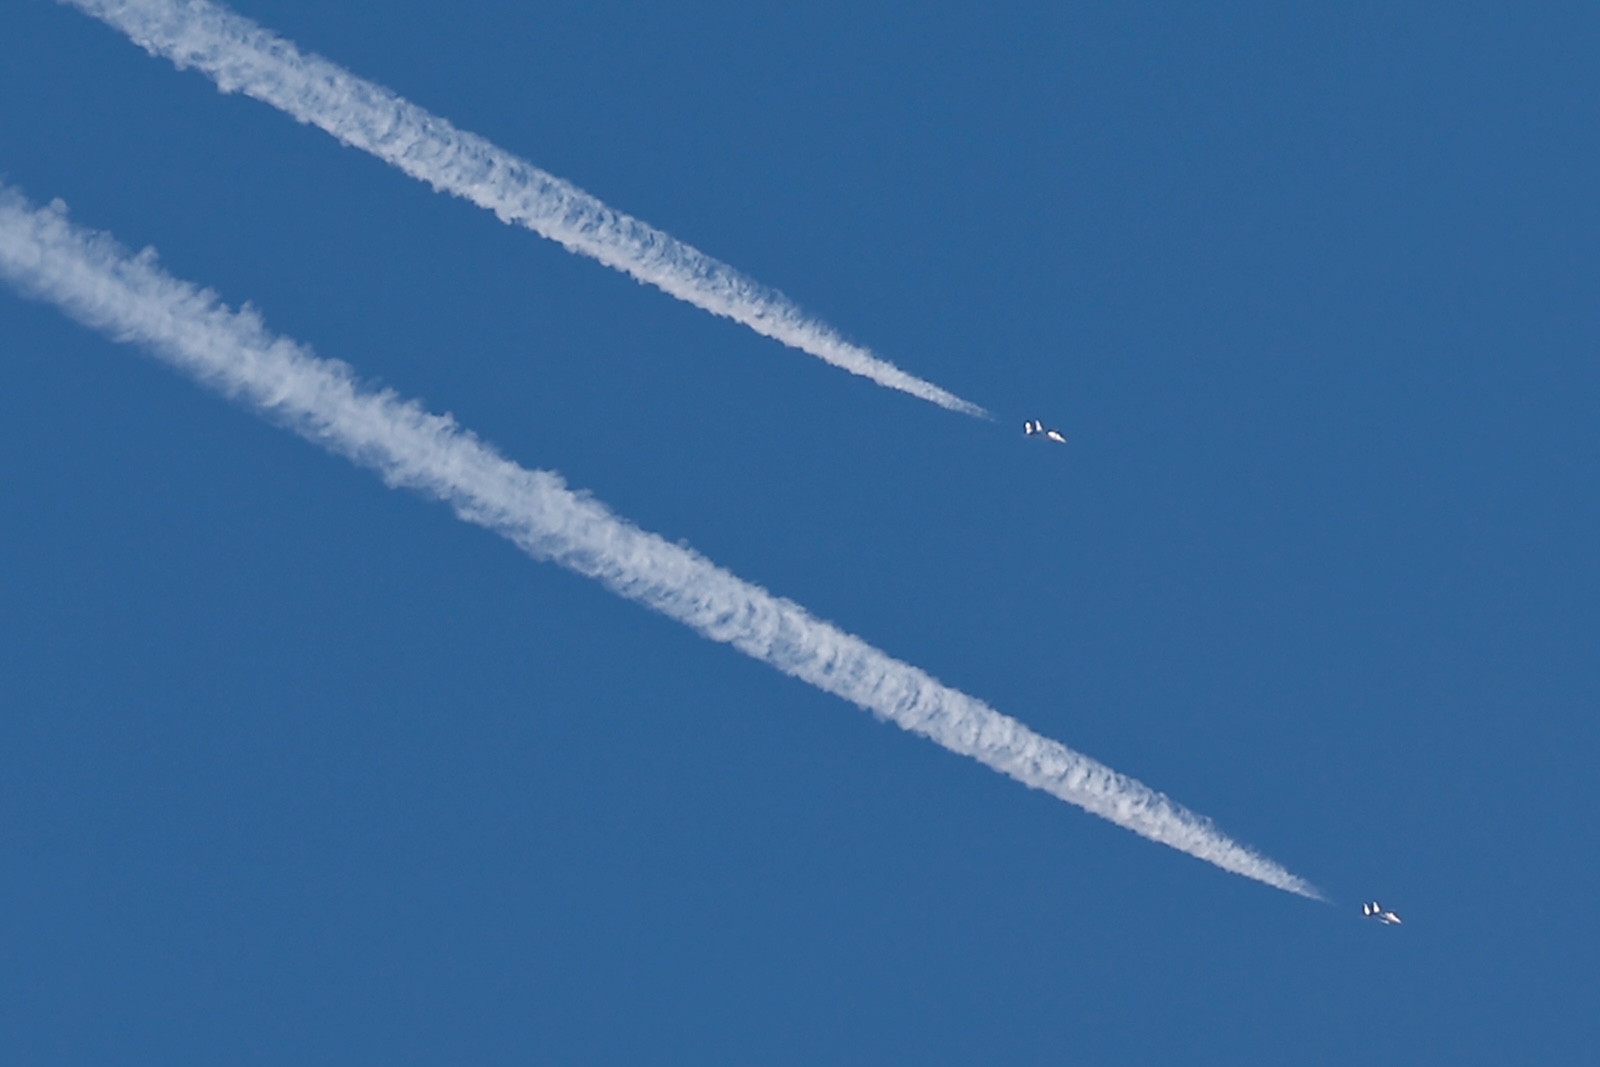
(241, 56)
(130, 298)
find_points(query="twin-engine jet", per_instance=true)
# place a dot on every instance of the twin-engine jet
(1035, 428)
(1376, 911)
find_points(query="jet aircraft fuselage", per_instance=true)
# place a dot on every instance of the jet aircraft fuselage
(1377, 911)
(1035, 428)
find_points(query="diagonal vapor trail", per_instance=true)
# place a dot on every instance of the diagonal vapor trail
(130, 298)
(241, 56)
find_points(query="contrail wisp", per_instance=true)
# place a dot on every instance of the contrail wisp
(242, 57)
(130, 298)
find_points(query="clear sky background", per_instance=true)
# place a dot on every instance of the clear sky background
(298, 769)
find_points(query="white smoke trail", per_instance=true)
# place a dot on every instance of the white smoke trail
(241, 56)
(131, 299)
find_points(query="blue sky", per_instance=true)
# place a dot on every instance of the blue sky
(297, 768)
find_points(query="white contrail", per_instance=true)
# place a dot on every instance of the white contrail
(241, 56)
(130, 298)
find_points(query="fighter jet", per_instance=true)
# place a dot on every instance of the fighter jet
(1375, 911)
(1035, 428)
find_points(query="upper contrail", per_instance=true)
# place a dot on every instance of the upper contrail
(130, 298)
(241, 56)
